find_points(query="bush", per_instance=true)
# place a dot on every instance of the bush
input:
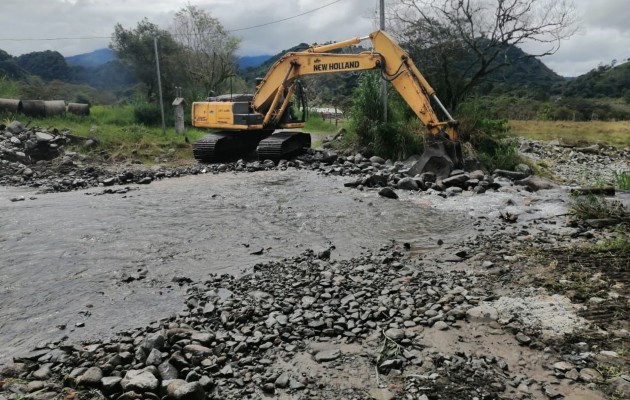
(488, 139)
(396, 139)
(148, 114)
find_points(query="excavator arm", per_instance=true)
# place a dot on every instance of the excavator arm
(274, 91)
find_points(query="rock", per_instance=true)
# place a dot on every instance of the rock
(15, 127)
(14, 370)
(189, 391)
(523, 339)
(563, 366)
(457, 180)
(524, 168)
(91, 378)
(441, 325)
(43, 372)
(408, 184)
(139, 381)
(513, 175)
(377, 160)
(294, 384)
(535, 183)
(552, 392)
(388, 192)
(382, 394)
(327, 355)
(483, 313)
(43, 137)
(592, 149)
(111, 384)
(621, 384)
(145, 181)
(167, 371)
(590, 375)
(308, 301)
(282, 381)
(395, 334)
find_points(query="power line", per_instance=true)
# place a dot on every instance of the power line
(286, 19)
(110, 37)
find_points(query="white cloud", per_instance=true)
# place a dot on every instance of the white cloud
(605, 27)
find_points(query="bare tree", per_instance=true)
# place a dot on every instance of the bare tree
(459, 43)
(208, 54)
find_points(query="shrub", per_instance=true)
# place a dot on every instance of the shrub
(148, 114)
(489, 141)
(396, 139)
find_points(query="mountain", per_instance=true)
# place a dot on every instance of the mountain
(9, 67)
(251, 61)
(93, 59)
(48, 65)
(603, 81)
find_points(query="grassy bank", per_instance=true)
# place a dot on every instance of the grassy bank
(575, 133)
(118, 134)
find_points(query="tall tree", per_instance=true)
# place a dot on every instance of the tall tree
(208, 55)
(135, 48)
(459, 43)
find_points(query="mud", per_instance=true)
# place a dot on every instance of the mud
(107, 262)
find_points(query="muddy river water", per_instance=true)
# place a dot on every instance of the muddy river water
(83, 264)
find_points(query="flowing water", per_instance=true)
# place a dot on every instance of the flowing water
(107, 262)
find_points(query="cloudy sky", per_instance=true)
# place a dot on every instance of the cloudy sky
(604, 25)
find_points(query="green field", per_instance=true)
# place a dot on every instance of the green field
(574, 133)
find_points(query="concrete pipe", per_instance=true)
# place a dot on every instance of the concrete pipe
(34, 108)
(55, 107)
(79, 108)
(10, 105)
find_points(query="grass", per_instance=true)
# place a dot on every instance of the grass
(622, 180)
(574, 133)
(117, 133)
(597, 207)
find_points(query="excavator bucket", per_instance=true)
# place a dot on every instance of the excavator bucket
(440, 158)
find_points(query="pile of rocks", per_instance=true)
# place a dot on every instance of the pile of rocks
(575, 165)
(236, 334)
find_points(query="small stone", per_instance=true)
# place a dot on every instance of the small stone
(441, 325)
(523, 339)
(189, 391)
(395, 334)
(553, 393)
(282, 381)
(296, 385)
(140, 381)
(382, 394)
(563, 366)
(91, 378)
(327, 355)
(388, 193)
(483, 313)
(590, 375)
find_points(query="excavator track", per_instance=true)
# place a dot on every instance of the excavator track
(227, 145)
(283, 145)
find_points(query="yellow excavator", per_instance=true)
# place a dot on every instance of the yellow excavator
(259, 121)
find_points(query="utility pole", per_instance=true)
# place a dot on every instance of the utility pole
(383, 82)
(159, 79)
